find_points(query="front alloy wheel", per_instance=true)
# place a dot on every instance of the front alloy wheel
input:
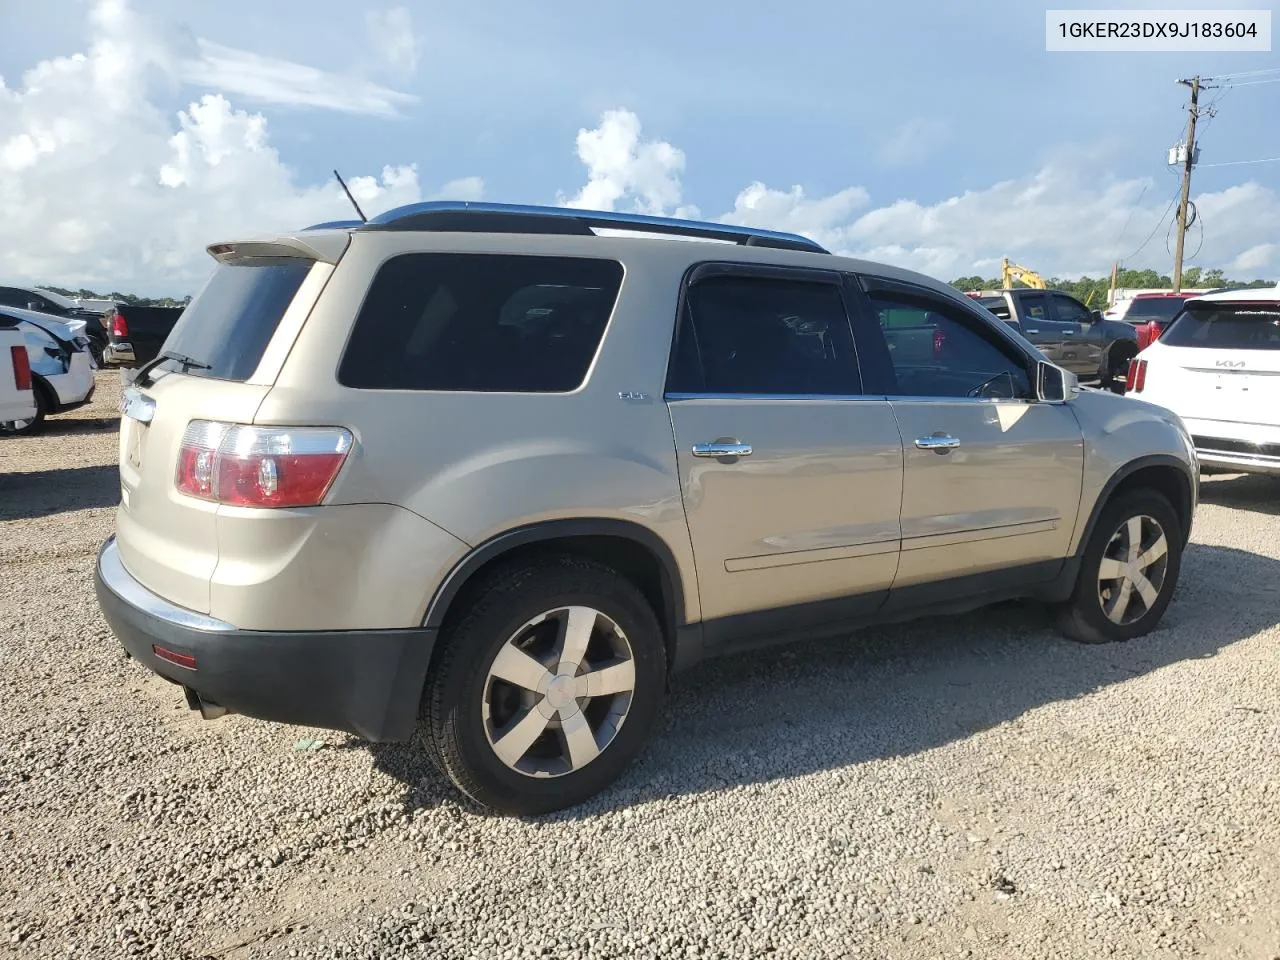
(1132, 571)
(1128, 570)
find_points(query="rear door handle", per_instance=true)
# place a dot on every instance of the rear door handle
(939, 442)
(722, 449)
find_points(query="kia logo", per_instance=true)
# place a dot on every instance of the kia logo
(1230, 363)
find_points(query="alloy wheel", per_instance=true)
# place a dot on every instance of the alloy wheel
(558, 691)
(1132, 572)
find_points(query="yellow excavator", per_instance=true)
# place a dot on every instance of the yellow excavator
(1009, 272)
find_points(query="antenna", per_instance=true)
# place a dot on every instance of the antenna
(363, 218)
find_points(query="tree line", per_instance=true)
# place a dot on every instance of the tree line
(1095, 291)
(128, 299)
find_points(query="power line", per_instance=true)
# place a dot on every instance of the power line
(1159, 224)
(1244, 73)
(1133, 209)
(1252, 83)
(1237, 163)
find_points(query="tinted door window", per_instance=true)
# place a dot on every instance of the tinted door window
(476, 322)
(944, 351)
(764, 336)
(1034, 308)
(1067, 310)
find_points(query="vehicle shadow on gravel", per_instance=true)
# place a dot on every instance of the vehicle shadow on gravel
(1253, 492)
(77, 426)
(899, 690)
(41, 493)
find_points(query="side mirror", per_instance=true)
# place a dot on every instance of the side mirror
(32, 305)
(1055, 385)
(1096, 315)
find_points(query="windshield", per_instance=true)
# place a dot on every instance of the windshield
(1235, 326)
(229, 324)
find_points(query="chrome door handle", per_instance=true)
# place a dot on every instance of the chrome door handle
(939, 442)
(1036, 330)
(722, 449)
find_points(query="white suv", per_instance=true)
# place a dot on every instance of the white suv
(1217, 366)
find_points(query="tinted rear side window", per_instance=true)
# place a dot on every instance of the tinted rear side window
(229, 324)
(481, 322)
(997, 305)
(1237, 326)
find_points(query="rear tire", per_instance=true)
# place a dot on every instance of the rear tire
(22, 428)
(1117, 367)
(1122, 591)
(546, 688)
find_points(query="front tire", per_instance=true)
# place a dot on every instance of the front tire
(1128, 572)
(546, 688)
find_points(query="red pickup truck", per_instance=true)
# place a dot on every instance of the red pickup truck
(1150, 313)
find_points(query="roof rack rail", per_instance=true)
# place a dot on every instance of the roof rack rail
(467, 216)
(334, 225)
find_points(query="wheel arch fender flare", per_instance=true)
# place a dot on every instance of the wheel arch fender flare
(38, 382)
(1184, 509)
(548, 531)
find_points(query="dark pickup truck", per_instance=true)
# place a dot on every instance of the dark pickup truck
(1067, 332)
(136, 334)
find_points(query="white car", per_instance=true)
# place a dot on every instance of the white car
(17, 399)
(60, 362)
(1217, 366)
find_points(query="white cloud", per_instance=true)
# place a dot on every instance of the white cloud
(283, 82)
(914, 140)
(1062, 220)
(624, 169)
(100, 188)
(792, 211)
(1264, 256)
(391, 33)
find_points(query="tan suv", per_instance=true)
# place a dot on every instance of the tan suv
(496, 472)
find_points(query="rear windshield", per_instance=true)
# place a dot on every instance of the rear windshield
(1157, 308)
(997, 305)
(1235, 326)
(481, 322)
(228, 325)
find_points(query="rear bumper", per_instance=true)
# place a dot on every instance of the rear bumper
(118, 354)
(364, 682)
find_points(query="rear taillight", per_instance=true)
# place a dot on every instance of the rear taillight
(246, 466)
(1136, 378)
(939, 341)
(21, 367)
(119, 326)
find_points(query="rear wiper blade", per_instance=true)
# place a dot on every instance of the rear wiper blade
(142, 377)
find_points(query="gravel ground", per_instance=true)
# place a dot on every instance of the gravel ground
(969, 787)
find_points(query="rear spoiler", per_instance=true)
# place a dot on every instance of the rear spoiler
(327, 246)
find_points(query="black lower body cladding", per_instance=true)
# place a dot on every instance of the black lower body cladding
(364, 682)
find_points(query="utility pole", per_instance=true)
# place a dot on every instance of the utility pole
(1194, 84)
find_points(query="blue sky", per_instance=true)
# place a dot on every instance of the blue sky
(929, 103)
